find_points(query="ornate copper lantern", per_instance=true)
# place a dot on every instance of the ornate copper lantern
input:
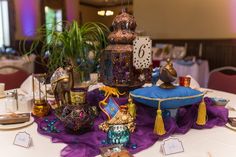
(117, 68)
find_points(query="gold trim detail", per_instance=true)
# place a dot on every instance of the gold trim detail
(172, 98)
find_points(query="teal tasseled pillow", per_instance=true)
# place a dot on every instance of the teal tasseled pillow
(169, 98)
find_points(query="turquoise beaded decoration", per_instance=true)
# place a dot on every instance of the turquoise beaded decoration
(50, 127)
(118, 134)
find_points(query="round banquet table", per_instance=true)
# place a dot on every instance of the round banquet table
(215, 142)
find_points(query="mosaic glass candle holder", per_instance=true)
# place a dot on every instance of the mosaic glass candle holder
(118, 134)
(78, 118)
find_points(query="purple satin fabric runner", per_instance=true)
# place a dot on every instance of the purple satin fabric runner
(87, 144)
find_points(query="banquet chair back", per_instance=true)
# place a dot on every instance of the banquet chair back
(223, 79)
(13, 80)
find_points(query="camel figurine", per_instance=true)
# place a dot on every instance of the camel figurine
(61, 83)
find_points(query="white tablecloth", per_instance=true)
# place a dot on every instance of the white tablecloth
(218, 141)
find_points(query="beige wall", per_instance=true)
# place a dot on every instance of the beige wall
(90, 14)
(189, 19)
(28, 19)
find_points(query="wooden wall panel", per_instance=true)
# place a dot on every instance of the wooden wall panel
(219, 52)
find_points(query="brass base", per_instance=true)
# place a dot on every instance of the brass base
(40, 108)
(167, 85)
(39, 101)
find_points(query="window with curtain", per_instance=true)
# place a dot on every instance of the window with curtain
(4, 24)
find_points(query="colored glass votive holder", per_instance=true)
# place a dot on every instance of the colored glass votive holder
(184, 81)
(118, 134)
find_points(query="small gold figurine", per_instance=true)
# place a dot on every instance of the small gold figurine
(109, 91)
(60, 83)
(131, 108)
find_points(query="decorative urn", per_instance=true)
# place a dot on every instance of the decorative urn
(168, 75)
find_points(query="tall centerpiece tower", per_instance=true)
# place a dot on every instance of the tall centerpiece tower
(117, 68)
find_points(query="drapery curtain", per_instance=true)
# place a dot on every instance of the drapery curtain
(4, 24)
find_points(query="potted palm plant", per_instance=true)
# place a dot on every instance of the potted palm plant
(77, 45)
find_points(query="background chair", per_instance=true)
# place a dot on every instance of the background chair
(223, 79)
(14, 79)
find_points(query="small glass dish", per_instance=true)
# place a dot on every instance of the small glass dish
(220, 101)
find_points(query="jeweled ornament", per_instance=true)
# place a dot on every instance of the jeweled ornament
(78, 119)
(50, 126)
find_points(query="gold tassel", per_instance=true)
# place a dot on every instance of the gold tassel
(201, 117)
(131, 108)
(159, 127)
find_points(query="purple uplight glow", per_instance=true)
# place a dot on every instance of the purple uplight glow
(71, 9)
(233, 15)
(28, 17)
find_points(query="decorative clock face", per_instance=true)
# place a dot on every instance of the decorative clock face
(142, 52)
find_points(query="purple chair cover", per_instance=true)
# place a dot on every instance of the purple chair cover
(87, 144)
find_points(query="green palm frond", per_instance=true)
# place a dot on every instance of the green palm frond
(75, 41)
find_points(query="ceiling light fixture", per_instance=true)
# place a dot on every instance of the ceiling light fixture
(101, 12)
(109, 13)
(105, 13)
